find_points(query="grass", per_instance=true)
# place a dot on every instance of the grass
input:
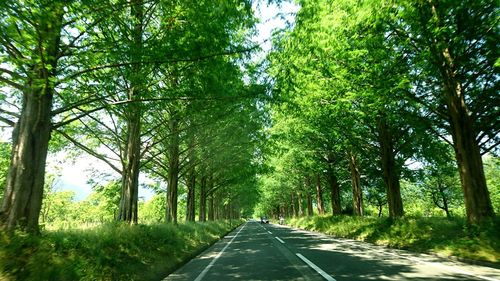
(107, 252)
(441, 236)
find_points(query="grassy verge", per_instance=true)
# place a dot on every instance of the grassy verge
(107, 252)
(445, 237)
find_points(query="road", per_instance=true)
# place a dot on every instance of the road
(272, 252)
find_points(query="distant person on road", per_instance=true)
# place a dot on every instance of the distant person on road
(282, 220)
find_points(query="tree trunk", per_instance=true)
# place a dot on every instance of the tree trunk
(390, 169)
(191, 181)
(357, 193)
(309, 205)
(131, 166)
(309, 200)
(210, 195)
(319, 196)
(23, 194)
(334, 192)
(295, 211)
(380, 206)
(173, 170)
(445, 200)
(470, 165)
(301, 204)
(211, 208)
(190, 205)
(203, 199)
(130, 177)
(219, 209)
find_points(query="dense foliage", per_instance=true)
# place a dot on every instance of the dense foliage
(154, 88)
(388, 106)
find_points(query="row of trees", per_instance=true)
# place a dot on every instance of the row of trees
(369, 87)
(151, 86)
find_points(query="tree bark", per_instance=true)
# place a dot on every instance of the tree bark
(470, 165)
(391, 171)
(293, 201)
(211, 206)
(131, 165)
(130, 177)
(309, 201)
(219, 209)
(301, 204)
(319, 196)
(467, 153)
(334, 192)
(438, 196)
(203, 199)
(210, 195)
(357, 193)
(173, 170)
(23, 194)
(191, 185)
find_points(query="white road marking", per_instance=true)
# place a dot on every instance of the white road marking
(204, 272)
(315, 267)
(282, 242)
(269, 232)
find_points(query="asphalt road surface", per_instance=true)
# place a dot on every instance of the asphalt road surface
(272, 252)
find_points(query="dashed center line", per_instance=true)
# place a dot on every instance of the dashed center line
(315, 267)
(282, 242)
(269, 232)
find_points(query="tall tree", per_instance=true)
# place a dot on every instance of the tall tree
(452, 47)
(30, 38)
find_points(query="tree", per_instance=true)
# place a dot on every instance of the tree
(452, 48)
(442, 183)
(32, 49)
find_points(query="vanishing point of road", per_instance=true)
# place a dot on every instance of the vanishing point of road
(254, 251)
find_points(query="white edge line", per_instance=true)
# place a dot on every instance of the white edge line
(204, 272)
(315, 267)
(282, 242)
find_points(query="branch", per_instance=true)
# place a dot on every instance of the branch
(85, 113)
(194, 59)
(485, 131)
(7, 121)
(13, 114)
(89, 151)
(493, 146)
(75, 105)
(12, 73)
(12, 83)
(98, 138)
(11, 49)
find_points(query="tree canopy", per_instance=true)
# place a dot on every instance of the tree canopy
(363, 101)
